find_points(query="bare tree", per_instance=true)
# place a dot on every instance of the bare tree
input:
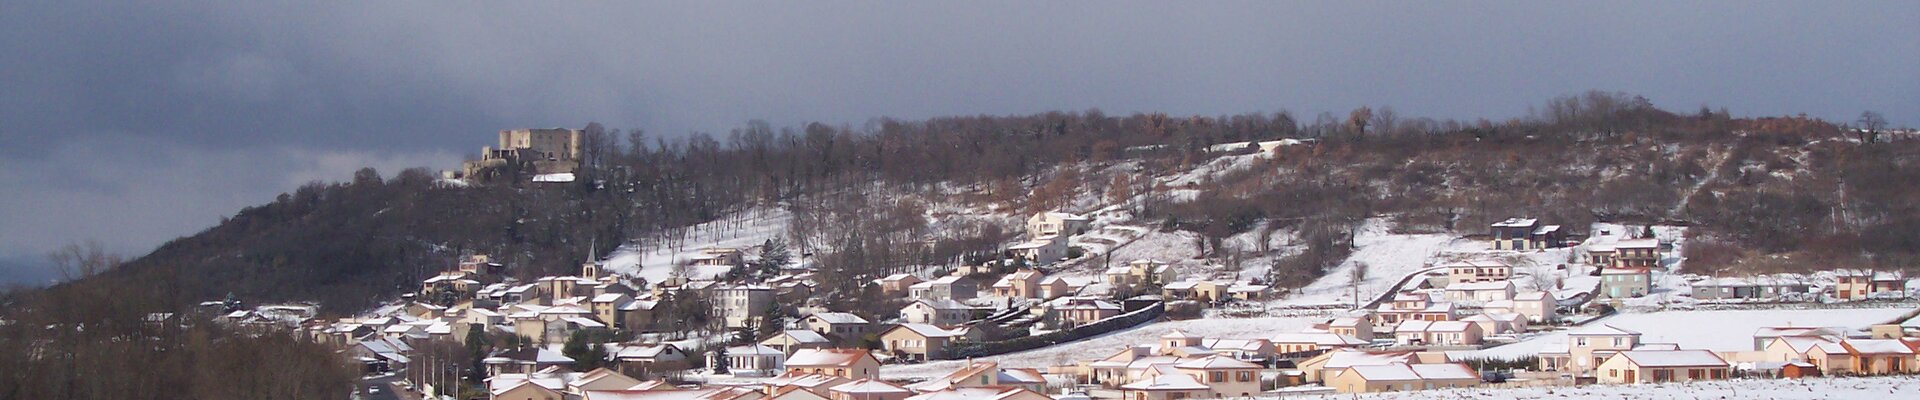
(1871, 123)
(80, 260)
(1359, 119)
(1358, 274)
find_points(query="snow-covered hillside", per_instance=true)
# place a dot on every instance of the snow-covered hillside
(658, 260)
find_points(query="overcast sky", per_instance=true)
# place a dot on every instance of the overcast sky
(136, 123)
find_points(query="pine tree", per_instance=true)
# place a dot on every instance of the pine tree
(720, 363)
(773, 256)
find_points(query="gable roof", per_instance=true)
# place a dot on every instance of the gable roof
(926, 330)
(1673, 358)
(801, 336)
(828, 357)
(1170, 382)
(1215, 362)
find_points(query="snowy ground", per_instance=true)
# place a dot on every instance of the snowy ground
(1388, 257)
(1105, 345)
(1723, 330)
(657, 259)
(1889, 387)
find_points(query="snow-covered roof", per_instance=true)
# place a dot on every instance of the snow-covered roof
(868, 386)
(1533, 296)
(1215, 362)
(1170, 382)
(931, 331)
(803, 336)
(1644, 243)
(1602, 330)
(826, 357)
(944, 304)
(1517, 223)
(839, 318)
(1320, 339)
(1674, 358)
(1480, 286)
(753, 350)
(1877, 346)
(1348, 359)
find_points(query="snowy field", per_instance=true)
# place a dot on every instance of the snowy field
(1724, 330)
(1890, 387)
(1389, 257)
(659, 259)
(1105, 345)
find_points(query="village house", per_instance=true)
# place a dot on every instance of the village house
(937, 312)
(868, 389)
(671, 393)
(1636, 253)
(751, 360)
(844, 363)
(1622, 283)
(1054, 287)
(793, 340)
(1355, 327)
(1141, 273)
(642, 359)
(1538, 307)
(807, 384)
(1223, 376)
(1056, 224)
(1041, 250)
(982, 393)
(1747, 288)
(1022, 284)
(623, 311)
(983, 374)
(1657, 366)
(1525, 234)
(1440, 333)
(1879, 357)
(1297, 343)
(1477, 271)
(1854, 284)
(741, 306)
(1480, 292)
(1167, 386)
(897, 284)
(718, 257)
(843, 325)
(920, 342)
(1765, 336)
(1250, 350)
(1403, 378)
(1332, 363)
(952, 287)
(525, 360)
(1076, 311)
(1413, 307)
(1499, 323)
(1587, 347)
(1825, 354)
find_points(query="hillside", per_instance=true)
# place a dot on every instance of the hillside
(1755, 191)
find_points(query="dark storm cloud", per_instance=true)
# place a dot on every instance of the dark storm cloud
(113, 113)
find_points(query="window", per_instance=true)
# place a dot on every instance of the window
(1216, 376)
(1245, 376)
(1582, 341)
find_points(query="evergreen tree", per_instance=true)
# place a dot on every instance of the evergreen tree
(476, 351)
(1647, 232)
(720, 363)
(773, 256)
